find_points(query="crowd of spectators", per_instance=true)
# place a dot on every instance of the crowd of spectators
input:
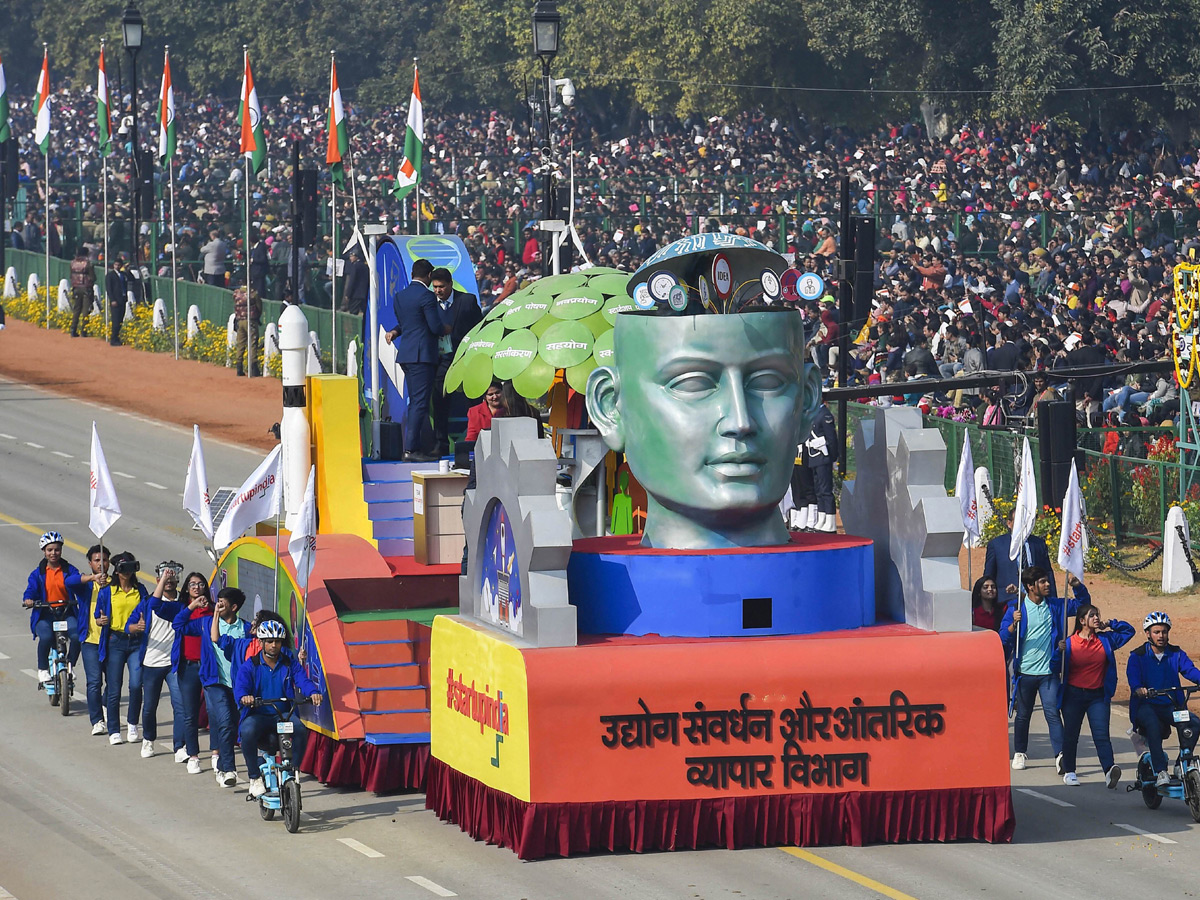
(1035, 245)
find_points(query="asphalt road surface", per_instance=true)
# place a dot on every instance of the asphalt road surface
(81, 818)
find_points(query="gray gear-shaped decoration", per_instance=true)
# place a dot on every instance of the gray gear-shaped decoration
(916, 527)
(516, 470)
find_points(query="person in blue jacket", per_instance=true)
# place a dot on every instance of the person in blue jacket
(1157, 665)
(1032, 634)
(1090, 684)
(194, 657)
(222, 708)
(89, 632)
(159, 613)
(119, 609)
(57, 582)
(271, 675)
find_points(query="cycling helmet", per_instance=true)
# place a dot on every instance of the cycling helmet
(50, 537)
(271, 630)
(1156, 618)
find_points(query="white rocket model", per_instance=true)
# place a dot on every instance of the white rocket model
(293, 428)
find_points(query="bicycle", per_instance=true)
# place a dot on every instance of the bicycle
(1185, 780)
(279, 768)
(61, 685)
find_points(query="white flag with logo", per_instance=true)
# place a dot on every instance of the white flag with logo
(1072, 546)
(1025, 514)
(964, 490)
(195, 488)
(303, 543)
(105, 508)
(257, 500)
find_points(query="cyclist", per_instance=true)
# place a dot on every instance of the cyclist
(270, 675)
(48, 584)
(1157, 665)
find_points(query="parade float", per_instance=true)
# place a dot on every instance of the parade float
(701, 677)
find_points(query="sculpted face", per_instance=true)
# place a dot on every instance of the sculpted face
(708, 410)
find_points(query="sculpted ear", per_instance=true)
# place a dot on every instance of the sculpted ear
(811, 402)
(603, 389)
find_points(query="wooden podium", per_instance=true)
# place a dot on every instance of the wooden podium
(437, 517)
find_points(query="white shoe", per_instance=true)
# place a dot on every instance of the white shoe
(1072, 779)
(1058, 765)
(220, 778)
(181, 755)
(133, 734)
(99, 728)
(193, 767)
(43, 675)
(147, 749)
(229, 779)
(213, 762)
(829, 525)
(115, 738)
(802, 520)
(1112, 777)
(1163, 780)
(1018, 761)
(257, 788)
(811, 521)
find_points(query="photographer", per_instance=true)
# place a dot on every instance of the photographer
(122, 629)
(160, 611)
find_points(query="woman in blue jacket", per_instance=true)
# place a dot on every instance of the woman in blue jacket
(1091, 681)
(123, 628)
(188, 660)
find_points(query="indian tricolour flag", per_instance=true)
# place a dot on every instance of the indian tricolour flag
(4, 129)
(339, 140)
(41, 109)
(414, 140)
(253, 144)
(166, 114)
(103, 116)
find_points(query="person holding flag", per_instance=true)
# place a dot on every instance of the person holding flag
(1009, 553)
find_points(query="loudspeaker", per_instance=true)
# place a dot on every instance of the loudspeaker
(864, 269)
(391, 440)
(12, 168)
(147, 202)
(1057, 444)
(308, 206)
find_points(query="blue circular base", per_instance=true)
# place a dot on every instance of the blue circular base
(816, 583)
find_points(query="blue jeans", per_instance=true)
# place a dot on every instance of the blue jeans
(1076, 703)
(95, 681)
(153, 678)
(1123, 398)
(188, 675)
(1029, 688)
(124, 651)
(1155, 723)
(45, 638)
(222, 724)
(256, 728)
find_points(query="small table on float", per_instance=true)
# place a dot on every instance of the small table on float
(437, 516)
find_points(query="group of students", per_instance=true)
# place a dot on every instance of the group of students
(1075, 674)
(178, 635)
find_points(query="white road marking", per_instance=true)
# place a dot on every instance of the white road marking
(1149, 834)
(158, 487)
(7, 437)
(5, 656)
(432, 886)
(361, 848)
(63, 455)
(34, 446)
(1046, 797)
(124, 475)
(32, 673)
(5, 895)
(35, 524)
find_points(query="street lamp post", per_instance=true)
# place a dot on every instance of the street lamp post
(547, 23)
(131, 32)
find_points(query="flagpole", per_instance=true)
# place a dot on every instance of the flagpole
(46, 160)
(104, 300)
(249, 345)
(333, 307)
(174, 257)
(417, 174)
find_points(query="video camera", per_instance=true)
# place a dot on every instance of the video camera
(126, 565)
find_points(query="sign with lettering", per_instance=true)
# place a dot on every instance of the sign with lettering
(722, 276)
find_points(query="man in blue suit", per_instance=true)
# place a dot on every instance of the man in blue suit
(419, 324)
(998, 566)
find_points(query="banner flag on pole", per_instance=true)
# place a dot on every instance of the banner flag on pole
(257, 500)
(4, 128)
(964, 490)
(253, 145)
(339, 140)
(1072, 545)
(103, 115)
(195, 488)
(1025, 514)
(414, 141)
(303, 543)
(41, 109)
(105, 510)
(166, 114)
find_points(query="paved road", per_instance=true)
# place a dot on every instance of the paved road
(78, 817)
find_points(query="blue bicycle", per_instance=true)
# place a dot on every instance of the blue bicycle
(61, 685)
(279, 767)
(1185, 776)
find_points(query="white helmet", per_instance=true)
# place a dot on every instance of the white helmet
(1156, 618)
(50, 537)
